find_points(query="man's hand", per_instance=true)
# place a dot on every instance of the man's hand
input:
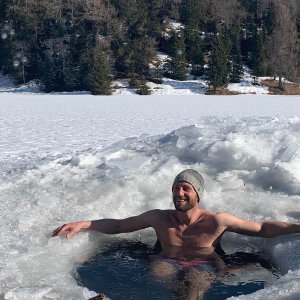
(71, 228)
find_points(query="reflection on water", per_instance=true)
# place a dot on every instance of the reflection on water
(122, 271)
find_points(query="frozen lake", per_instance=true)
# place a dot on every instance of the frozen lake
(73, 157)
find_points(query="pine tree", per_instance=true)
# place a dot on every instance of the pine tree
(258, 55)
(143, 88)
(176, 67)
(191, 13)
(133, 82)
(194, 53)
(71, 74)
(58, 68)
(219, 63)
(270, 18)
(116, 36)
(155, 17)
(51, 75)
(247, 40)
(236, 70)
(99, 78)
(142, 50)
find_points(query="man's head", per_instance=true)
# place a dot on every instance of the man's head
(187, 185)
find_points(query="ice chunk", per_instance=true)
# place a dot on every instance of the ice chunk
(181, 142)
(230, 181)
(32, 293)
(276, 178)
(75, 161)
(285, 252)
(54, 242)
(46, 200)
(188, 131)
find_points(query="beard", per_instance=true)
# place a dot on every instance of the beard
(185, 206)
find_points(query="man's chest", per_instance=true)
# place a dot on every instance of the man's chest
(197, 235)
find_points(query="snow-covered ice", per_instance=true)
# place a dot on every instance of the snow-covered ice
(73, 157)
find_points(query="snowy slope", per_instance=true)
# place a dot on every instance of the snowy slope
(169, 87)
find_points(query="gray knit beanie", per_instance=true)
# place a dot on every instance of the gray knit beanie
(194, 178)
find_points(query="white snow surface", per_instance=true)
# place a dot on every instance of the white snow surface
(73, 157)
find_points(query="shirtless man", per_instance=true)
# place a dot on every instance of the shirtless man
(187, 234)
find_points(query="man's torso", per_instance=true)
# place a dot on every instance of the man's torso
(179, 239)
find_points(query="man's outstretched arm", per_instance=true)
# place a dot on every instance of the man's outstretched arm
(260, 229)
(276, 228)
(109, 226)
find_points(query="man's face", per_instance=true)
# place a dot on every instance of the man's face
(184, 196)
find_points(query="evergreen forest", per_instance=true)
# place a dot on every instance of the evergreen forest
(75, 45)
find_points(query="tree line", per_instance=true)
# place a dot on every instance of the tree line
(85, 44)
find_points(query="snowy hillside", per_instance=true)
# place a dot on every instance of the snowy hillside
(169, 87)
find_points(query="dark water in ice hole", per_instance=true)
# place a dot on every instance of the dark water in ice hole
(121, 271)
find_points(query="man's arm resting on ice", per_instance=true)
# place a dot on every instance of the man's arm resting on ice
(108, 226)
(260, 229)
(276, 228)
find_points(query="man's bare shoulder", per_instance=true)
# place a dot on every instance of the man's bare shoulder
(219, 217)
(208, 214)
(226, 219)
(155, 216)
